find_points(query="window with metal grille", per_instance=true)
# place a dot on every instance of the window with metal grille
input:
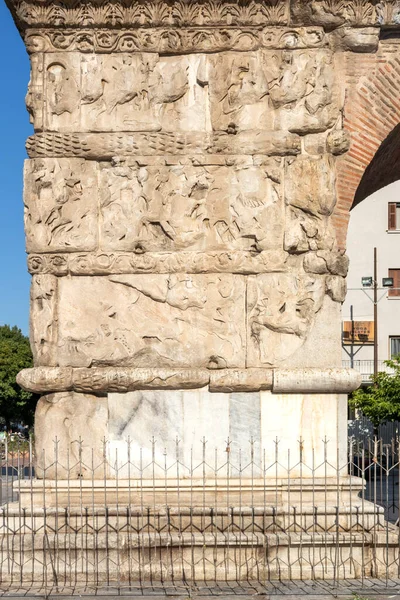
(395, 290)
(394, 216)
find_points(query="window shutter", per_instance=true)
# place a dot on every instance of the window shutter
(395, 273)
(392, 216)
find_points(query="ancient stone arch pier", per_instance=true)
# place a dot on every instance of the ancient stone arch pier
(187, 194)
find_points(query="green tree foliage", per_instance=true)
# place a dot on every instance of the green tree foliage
(380, 402)
(15, 354)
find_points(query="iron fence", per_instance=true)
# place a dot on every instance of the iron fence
(362, 429)
(121, 519)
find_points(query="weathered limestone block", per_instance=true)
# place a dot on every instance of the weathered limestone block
(44, 380)
(334, 13)
(355, 39)
(70, 430)
(243, 380)
(153, 208)
(238, 92)
(314, 263)
(338, 264)
(281, 313)
(310, 185)
(294, 38)
(163, 13)
(304, 90)
(312, 380)
(310, 198)
(326, 262)
(152, 321)
(34, 99)
(304, 231)
(292, 90)
(190, 207)
(336, 288)
(43, 319)
(118, 92)
(158, 320)
(255, 141)
(61, 205)
(338, 141)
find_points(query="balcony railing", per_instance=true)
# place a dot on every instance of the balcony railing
(366, 368)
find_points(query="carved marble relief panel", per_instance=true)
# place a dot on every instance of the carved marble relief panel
(174, 321)
(43, 319)
(288, 90)
(152, 321)
(310, 184)
(118, 92)
(202, 170)
(238, 91)
(281, 313)
(191, 207)
(310, 199)
(305, 232)
(61, 212)
(304, 90)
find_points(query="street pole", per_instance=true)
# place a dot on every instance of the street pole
(375, 312)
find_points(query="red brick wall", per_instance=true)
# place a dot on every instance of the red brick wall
(372, 110)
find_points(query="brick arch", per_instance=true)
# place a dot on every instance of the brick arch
(371, 117)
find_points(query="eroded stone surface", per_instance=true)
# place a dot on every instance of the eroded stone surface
(152, 321)
(43, 321)
(190, 207)
(294, 90)
(128, 379)
(61, 211)
(181, 187)
(70, 430)
(281, 313)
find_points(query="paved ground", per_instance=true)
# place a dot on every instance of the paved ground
(287, 591)
(364, 596)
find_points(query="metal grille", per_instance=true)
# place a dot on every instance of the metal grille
(133, 519)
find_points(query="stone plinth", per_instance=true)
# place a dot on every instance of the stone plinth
(142, 434)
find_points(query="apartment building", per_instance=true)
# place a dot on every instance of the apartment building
(375, 222)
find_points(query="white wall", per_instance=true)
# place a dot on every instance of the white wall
(368, 228)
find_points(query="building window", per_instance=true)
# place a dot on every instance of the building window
(395, 291)
(394, 216)
(394, 346)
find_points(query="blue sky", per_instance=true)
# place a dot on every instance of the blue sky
(15, 128)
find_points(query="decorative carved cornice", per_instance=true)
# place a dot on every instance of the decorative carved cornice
(148, 13)
(108, 263)
(173, 40)
(99, 14)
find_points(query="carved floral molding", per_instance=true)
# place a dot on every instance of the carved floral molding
(209, 13)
